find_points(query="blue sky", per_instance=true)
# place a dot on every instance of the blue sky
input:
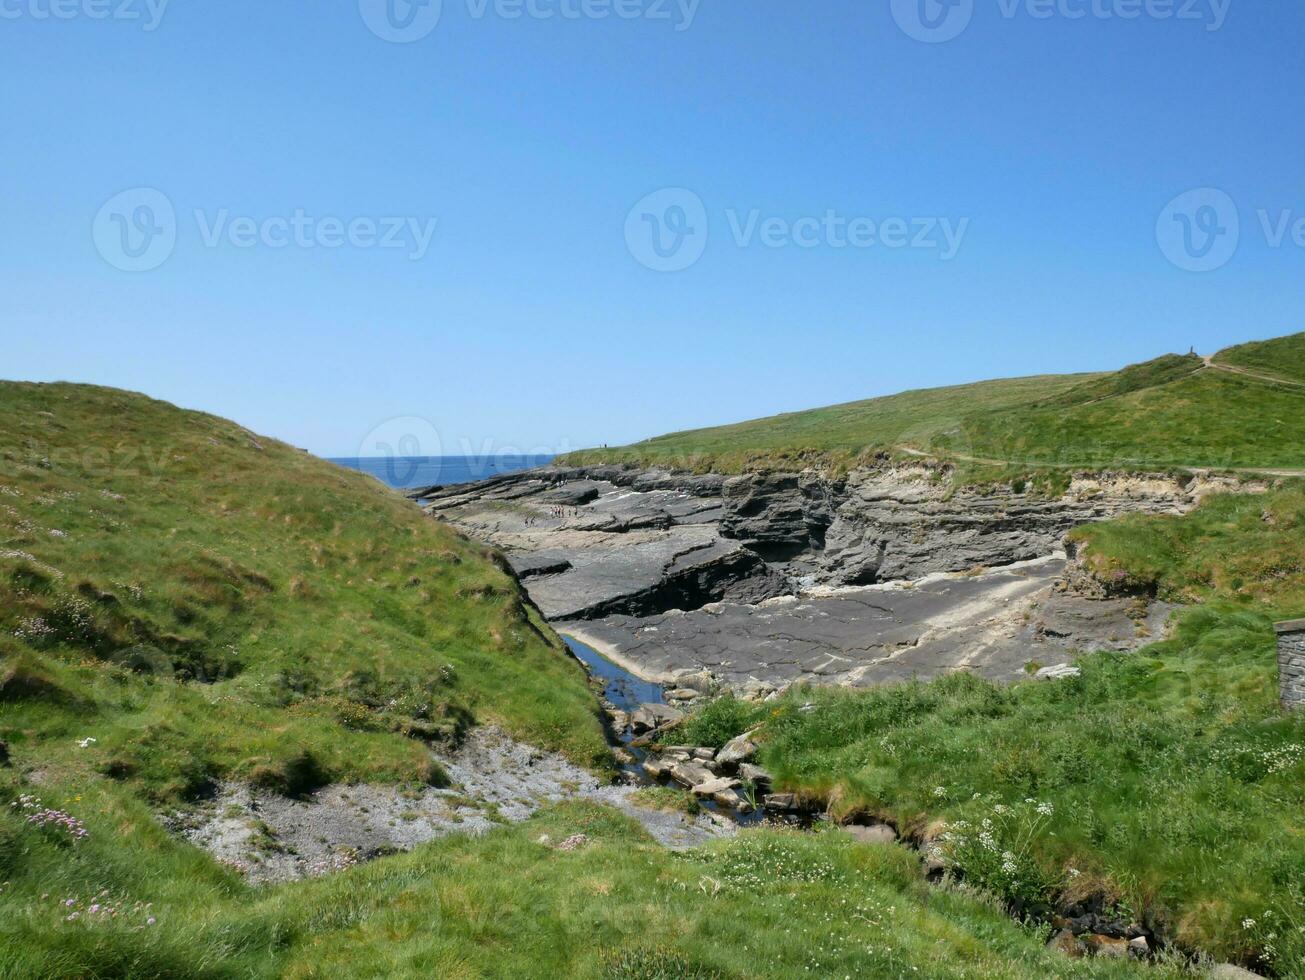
(1053, 144)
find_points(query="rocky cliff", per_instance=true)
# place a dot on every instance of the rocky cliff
(683, 571)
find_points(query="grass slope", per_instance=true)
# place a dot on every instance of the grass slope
(1170, 779)
(204, 602)
(511, 904)
(1170, 412)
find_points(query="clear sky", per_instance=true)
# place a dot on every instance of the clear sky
(820, 149)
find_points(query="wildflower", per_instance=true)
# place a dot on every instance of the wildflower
(1248, 923)
(940, 791)
(86, 742)
(150, 921)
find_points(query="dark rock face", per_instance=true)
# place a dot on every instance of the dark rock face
(767, 579)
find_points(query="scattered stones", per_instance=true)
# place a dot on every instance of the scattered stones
(574, 842)
(496, 779)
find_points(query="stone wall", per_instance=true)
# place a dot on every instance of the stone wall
(1291, 663)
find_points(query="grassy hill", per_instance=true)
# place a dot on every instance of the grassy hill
(182, 600)
(205, 602)
(1168, 780)
(1240, 411)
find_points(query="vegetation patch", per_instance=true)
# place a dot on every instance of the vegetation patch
(1171, 412)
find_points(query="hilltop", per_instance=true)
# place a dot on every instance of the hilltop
(1243, 408)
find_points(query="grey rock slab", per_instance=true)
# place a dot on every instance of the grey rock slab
(990, 623)
(876, 834)
(274, 838)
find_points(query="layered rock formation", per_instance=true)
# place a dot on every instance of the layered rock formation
(765, 579)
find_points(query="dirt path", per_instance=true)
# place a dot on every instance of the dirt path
(1194, 470)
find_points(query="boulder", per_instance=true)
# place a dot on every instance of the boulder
(879, 833)
(780, 802)
(1067, 943)
(1226, 971)
(703, 754)
(1139, 948)
(657, 768)
(683, 694)
(690, 774)
(650, 717)
(1111, 947)
(754, 774)
(724, 791)
(737, 750)
(699, 681)
(934, 859)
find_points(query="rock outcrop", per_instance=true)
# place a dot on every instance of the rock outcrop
(764, 579)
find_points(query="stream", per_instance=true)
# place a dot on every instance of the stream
(627, 692)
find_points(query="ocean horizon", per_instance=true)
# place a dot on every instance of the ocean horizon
(407, 472)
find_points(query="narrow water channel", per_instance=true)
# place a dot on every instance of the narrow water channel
(626, 692)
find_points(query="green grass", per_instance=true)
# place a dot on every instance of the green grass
(1284, 357)
(1167, 413)
(771, 904)
(204, 602)
(1246, 547)
(1176, 784)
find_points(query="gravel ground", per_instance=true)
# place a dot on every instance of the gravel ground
(496, 780)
